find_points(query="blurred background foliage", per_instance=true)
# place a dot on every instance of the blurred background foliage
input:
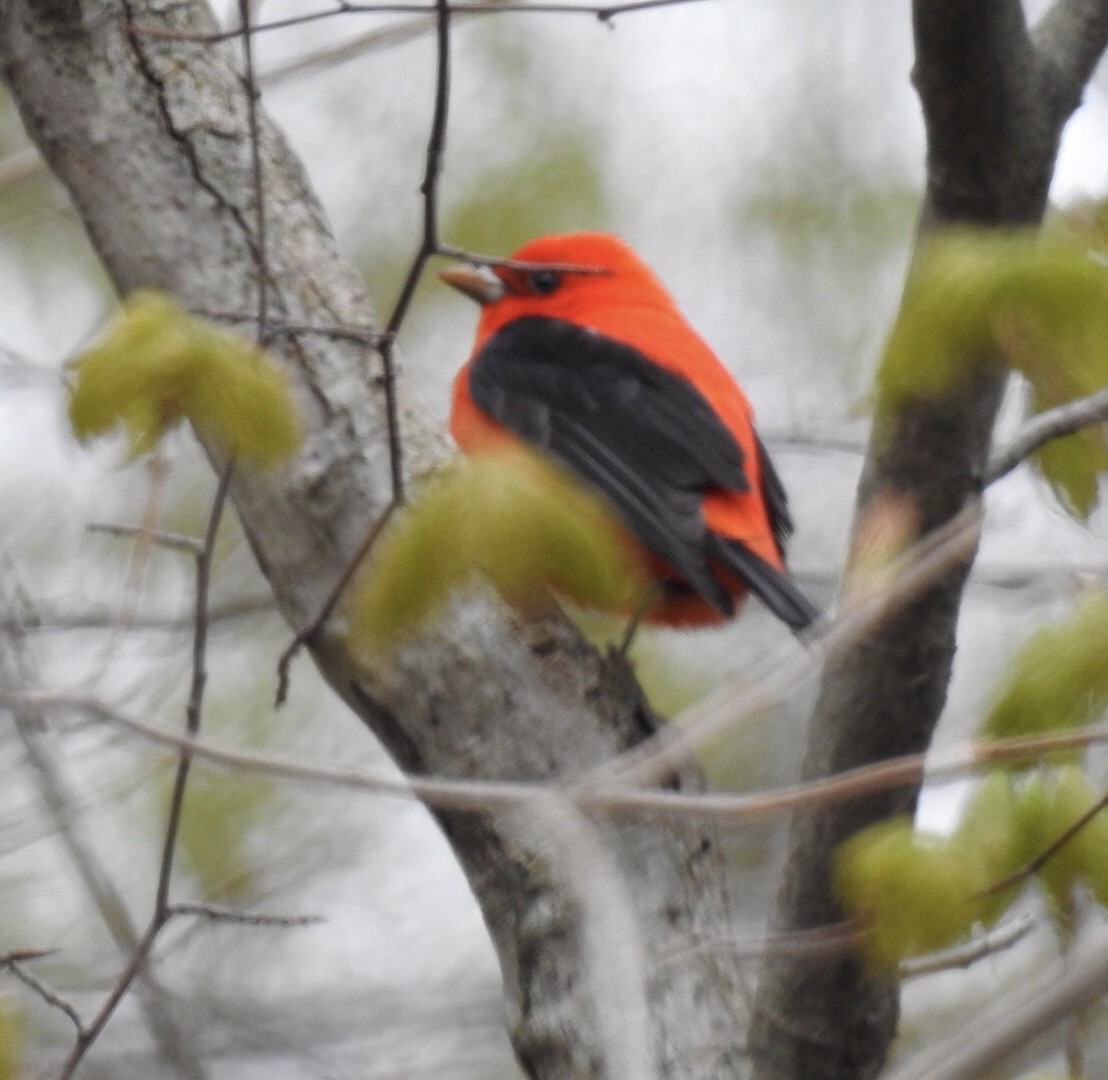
(766, 159)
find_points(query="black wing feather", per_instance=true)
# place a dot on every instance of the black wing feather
(775, 589)
(777, 502)
(648, 440)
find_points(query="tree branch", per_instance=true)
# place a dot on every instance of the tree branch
(484, 797)
(87, 1035)
(1039, 430)
(1008, 1026)
(104, 618)
(1070, 39)
(60, 804)
(999, 939)
(993, 129)
(16, 964)
(159, 166)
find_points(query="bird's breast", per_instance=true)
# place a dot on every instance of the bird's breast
(473, 430)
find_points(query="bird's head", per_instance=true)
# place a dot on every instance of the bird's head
(572, 277)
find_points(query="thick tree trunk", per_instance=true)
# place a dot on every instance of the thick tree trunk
(150, 135)
(995, 100)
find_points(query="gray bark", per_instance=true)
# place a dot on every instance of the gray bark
(150, 136)
(995, 99)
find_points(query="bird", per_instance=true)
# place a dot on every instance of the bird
(583, 357)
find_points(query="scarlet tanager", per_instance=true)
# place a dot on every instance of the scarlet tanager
(584, 357)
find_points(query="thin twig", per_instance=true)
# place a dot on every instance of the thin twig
(1055, 576)
(488, 796)
(668, 750)
(203, 555)
(309, 632)
(990, 1036)
(830, 940)
(104, 618)
(87, 1036)
(174, 541)
(15, 961)
(429, 241)
(1039, 430)
(19, 956)
(932, 557)
(260, 257)
(1033, 866)
(196, 691)
(244, 918)
(604, 12)
(969, 953)
(330, 56)
(428, 247)
(362, 335)
(62, 808)
(476, 259)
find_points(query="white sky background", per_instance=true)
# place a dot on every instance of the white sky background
(707, 118)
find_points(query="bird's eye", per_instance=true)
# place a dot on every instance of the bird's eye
(544, 282)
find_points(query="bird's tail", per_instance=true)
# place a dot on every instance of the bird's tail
(772, 586)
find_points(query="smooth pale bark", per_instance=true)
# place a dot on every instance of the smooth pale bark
(150, 137)
(995, 99)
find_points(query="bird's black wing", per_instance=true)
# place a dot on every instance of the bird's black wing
(777, 502)
(646, 439)
(776, 590)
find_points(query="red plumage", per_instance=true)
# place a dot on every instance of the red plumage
(585, 357)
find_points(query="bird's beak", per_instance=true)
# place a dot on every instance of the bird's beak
(478, 283)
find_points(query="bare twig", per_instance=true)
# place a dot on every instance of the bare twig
(309, 632)
(1054, 576)
(203, 555)
(174, 541)
(487, 796)
(1033, 866)
(607, 788)
(666, 751)
(932, 557)
(331, 55)
(145, 536)
(45, 620)
(88, 1035)
(450, 252)
(260, 260)
(428, 246)
(363, 335)
(61, 806)
(988, 1039)
(196, 692)
(244, 918)
(1047, 426)
(604, 12)
(821, 940)
(15, 962)
(965, 955)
